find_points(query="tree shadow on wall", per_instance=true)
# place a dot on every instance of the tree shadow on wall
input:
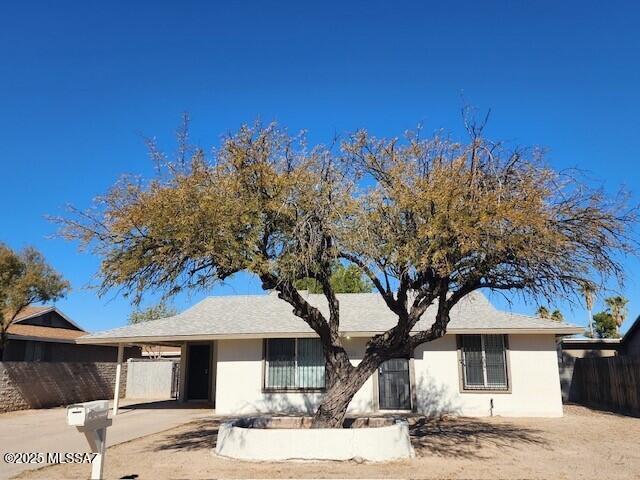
(434, 400)
(439, 430)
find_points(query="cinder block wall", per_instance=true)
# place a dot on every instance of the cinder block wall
(25, 385)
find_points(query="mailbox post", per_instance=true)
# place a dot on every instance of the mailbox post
(92, 419)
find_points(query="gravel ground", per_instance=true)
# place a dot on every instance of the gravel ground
(584, 444)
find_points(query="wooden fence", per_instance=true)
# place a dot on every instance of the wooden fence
(608, 383)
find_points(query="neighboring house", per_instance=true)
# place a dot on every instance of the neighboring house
(160, 352)
(248, 354)
(45, 334)
(581, 347)
(572, 348)
(630, 343)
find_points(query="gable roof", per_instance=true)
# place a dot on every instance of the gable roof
(32, 311)
(18, 330)
(361, 314)
(633, 330)
(21, 329)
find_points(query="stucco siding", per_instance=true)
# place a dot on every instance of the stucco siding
(239, 382)
(533, 369)
(533, 373)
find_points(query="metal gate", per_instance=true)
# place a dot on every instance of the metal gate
(175, 380)
(157, 379)
(393, 385)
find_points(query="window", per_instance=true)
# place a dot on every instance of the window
(294, 364)
(484, 362)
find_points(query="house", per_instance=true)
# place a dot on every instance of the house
(248, 354)
(160, 351)
(630, 342)
(581, 347)
(572, 348)
(45, 334)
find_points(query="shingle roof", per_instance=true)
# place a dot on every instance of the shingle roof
(360, 314)
(31, 311)
(37, 331)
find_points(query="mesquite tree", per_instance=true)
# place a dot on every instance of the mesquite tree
(25, 278)
(427, 220)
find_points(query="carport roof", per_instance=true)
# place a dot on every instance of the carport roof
(361, 314)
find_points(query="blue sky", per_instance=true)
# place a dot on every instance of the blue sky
(82, 83)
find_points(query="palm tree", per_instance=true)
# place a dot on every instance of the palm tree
(557, 316)
(618, 307)
(589, 294)
(543, 312)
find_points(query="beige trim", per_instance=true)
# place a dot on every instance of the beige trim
(412, 387)
(412, 383)
(263, 378)
(213, 372)
(253, 336)
(189, 344)
(479, 390)
(376, 390)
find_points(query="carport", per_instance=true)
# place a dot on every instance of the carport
(197, 365)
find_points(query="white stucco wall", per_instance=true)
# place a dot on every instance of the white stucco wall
(533, 370)
(239, 382)
(535, 387)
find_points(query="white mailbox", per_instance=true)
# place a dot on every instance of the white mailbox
(88, 413)
(92, 419)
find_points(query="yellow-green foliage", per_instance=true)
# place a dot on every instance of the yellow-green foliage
(25, 278)
(427, 215)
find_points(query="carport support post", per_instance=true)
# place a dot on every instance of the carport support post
(182, 396)
(116, 390)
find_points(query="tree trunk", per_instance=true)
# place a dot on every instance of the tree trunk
(333, 407)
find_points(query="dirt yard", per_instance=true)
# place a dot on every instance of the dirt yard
(584, 444)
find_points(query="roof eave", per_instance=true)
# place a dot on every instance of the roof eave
(569, 330)
(33, 338)
(47, 310)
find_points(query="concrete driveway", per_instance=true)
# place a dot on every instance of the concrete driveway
(47, 431)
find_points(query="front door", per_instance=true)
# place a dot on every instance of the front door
(199, 363)
(394, 388)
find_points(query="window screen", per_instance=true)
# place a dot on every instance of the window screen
(294, 364)
(484, 362)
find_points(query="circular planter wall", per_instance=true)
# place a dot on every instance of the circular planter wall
(261, 438)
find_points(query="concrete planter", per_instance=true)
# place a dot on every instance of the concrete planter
(287, 439)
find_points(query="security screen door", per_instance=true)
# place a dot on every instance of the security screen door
(198, 372)
(393, 385)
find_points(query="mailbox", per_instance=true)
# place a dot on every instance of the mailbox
(88, 413)
(92, 419)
